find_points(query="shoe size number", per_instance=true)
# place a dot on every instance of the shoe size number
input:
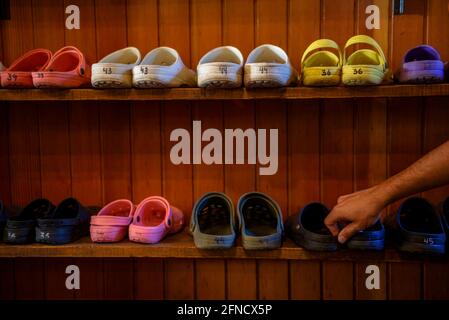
(357, 71)
(325, 73)
(12, 77)
(107, 70)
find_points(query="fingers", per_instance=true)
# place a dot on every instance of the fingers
(348, 231)
(331, 223)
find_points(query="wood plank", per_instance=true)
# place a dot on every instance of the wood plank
(7, 289)
(361, 290)
(291, 93)
(237, 16)
(5, 185)
(148, 279)
(115, 151)
(84, 38)
(205, 24)
(174, 27)
(179, 280)
(91, 279)
(273, 280)
(242, 279)
(304, 19)
(337, 161)
(48, 24)
(110, 26)
(337, 22)
(303, 154)
(404, 137)
(24, 153)
(118, 279)
(29, 279)
(21, 22)
(146, 150)
(271, 23)
(55, 278)
(337, 281)
(404, 281)
(408, 30)
(210, 280)
(436, 281)
(438, 27)
(142, 25)
(55, 151)
(85, 153)
(305, 280)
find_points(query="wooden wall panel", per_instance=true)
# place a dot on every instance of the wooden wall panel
(436, 281)
(29, 279)
(118, 279)
(273, 280)
(437, 27)
(404, 281)
(338, 22)
(5, 183)
(338, 281)
(305, 280)
(7, 289)
(91, 276)
(408, 30)
(142, 25)
(148, 279)
(55, 277)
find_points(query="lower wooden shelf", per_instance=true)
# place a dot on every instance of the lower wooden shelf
(182, 246)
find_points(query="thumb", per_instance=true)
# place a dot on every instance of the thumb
(348, 231)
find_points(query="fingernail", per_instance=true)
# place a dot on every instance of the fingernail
(341, 239)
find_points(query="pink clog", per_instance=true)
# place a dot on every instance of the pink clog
(112, 222)
(67, 69)
(154, 219)
(19, 74)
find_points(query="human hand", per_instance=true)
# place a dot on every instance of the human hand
(356, 211)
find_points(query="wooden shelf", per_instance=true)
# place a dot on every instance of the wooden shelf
(182, 246)
(291, 93)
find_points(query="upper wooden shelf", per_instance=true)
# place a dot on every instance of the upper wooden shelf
(182, 246)
(290, 93)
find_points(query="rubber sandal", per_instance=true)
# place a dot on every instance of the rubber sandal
(221, 67)
(260, 220)
(115, 70)
(422, 64)
(212, 223)
(66, 69)
(20, 229)
(112, 222)
(365, 66)
(420, 228)
(322, 68)
(163, 68)
(67, 223)
(19, 74)
(154, 219)
(307, 228)
(372, 238)
(268, 66)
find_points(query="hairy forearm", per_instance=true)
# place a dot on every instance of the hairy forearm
(429, 172)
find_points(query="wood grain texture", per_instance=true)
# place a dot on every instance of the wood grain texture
(338, 22)
(305, 280)
(148, 279)
(404, 281)
(271, 23)
(179, 279)
(337, 281)
(242, 279)
(142, 25)
(5, 182)
(7, 289)
(436, 281)
(273, 280)
(118, 279)
(437, 27)
(91, 276)
(29, 279)
(210, 280)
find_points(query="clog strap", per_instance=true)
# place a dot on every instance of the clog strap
(366, 40)
(321, 44)
(82, 61)
(161, 200)
(30, 53)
